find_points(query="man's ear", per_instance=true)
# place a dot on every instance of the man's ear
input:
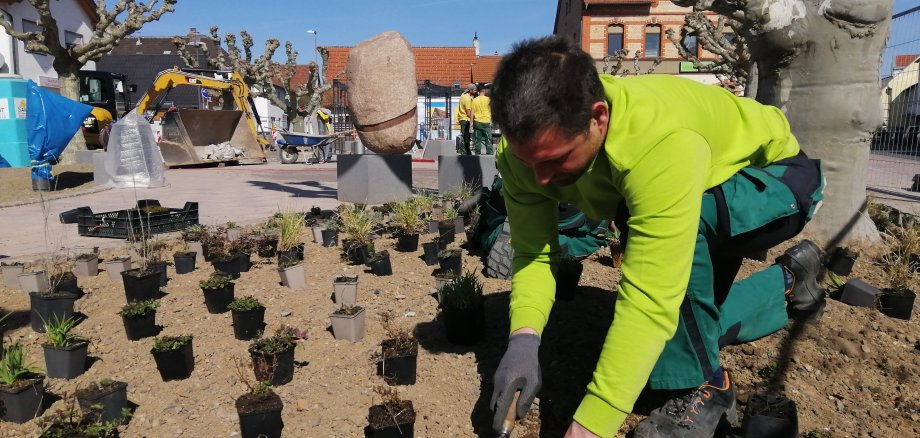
(600, 112)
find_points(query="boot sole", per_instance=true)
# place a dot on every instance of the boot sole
(810, 316)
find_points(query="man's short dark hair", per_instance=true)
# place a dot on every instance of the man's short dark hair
(545, 82)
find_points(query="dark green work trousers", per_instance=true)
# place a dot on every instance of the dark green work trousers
(751, 212)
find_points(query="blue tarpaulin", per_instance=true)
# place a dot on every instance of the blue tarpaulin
(52, 120)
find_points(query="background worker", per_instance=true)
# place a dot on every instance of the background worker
(697, 178)
(464, 117)
(482, 123)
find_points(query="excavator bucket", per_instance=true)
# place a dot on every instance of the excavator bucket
(193, 136)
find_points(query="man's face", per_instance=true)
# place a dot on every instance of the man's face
(559, 160)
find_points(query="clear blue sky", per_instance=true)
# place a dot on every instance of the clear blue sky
(499, 23)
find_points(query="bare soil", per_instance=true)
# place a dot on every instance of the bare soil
(16, 183)
(856, 373)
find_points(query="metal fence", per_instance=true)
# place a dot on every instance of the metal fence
(895, 148)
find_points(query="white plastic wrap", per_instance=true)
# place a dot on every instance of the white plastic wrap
(133, 158)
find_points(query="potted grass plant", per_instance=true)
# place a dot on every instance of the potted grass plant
(392, 417)
(273, 357)
(901, 264)
(139, 319)
(345, 289)
(348, 322)
(65, 351)
(21, 386)
(330, 232)
(290, 232)
(408, 224)
(11, 273)
(218, 292)
(397, 359)
(447, 228)
(115, 266)
(108, 397)
(248, 317)
(86, 265)
(462, 309)
(259, 409)
(174, 356)
(568, 274)
(358, 224)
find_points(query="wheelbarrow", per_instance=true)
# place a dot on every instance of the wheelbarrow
(316, 148)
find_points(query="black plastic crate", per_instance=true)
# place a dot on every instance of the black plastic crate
(133, 223)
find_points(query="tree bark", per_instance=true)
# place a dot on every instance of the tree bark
(69, 80)
(819, 62)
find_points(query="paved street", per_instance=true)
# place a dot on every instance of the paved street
(243, 194)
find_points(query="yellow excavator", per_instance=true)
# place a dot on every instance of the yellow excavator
(200, 136)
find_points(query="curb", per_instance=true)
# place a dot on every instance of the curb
(53, 198)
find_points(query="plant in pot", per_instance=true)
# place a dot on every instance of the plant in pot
(259, 409)
(380, 263)
(217, 291)
(174, 356)
(348, 322)
(194, 236)
(267, 245)
(273, 357)
(358, 224)
(292, 274)
(139, 319)
(430, 252)
(34, 281)
(424, 203)
(451, 260)
(290, 232)
(397, 360)
(393, 417)
(106, 396)
(248, 317)
(157, 253)
(842, 259)
(11, 273)
(462, 309)
(86, 265)
(61, 275)
(222, 259)
(901, 264)
(115, 266)
(142, 283)
(21, 386)
(568, 274)
(184, 260)
(408, 226)
(233, 231)
(243, 248)
(441, 278)
(447, 228)
(345, 289)
(86, 422)
(453, 215)
(65, 351)
(330, 232)
(46, 306)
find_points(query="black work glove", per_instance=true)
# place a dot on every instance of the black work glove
(519, 370)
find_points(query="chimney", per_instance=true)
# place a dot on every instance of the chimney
(476, 43)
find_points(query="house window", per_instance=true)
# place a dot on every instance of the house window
(690, 44)
(31, 26)
(652, 41)
(72, 39)
(614, 39)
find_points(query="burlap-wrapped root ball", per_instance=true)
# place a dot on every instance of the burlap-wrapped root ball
(382, 93)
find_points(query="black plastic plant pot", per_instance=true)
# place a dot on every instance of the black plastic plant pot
(430, 253)
(48, 307)
(218, 299)
(292, 255)
(175, 364)
(244, 260)
(140, 287)
(160, 268)
(464, 326)
(65, 363)
(399, 369)
(267, 248)
(282, 363)
(229, 266)
(454, 264)
(383, 425)
(184, 263)
(770, 416)
(407, 242)
(898, 304)
(380, 264)
(247, 325)
(113, 399)
(65, 285)
(140, 327)
(446, 232)
(260, 415)
(357, 253)
(22, 402)
(841, 261)
(567, 282)
(330, 238)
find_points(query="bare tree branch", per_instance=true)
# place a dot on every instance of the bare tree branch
(619, 57)
(733, 64)
(182, 49)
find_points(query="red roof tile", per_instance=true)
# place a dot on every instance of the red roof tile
(484, 68)
(901, 61)
(440, 65)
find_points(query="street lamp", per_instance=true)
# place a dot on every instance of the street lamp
(313, 32)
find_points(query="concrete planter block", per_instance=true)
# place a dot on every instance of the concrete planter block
(439, 148)
(453, 171)
(374, 179)
(859, 293)
(11, 274)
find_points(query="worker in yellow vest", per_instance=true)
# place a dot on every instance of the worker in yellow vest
(482, 123)
(464, 117)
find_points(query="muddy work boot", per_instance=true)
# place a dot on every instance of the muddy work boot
(802, 265)
(695, 415)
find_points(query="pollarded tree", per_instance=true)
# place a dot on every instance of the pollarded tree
(302, 100)
(723, 38)
(125, 18)
(819, 62)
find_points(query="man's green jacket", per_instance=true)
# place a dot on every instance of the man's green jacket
(668, 141)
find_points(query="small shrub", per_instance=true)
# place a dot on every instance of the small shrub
(170, 343)
(464, 292)
(194, 233)
(347, 310)
(282, 340)
(139, 309)
(357, 223)
(244, 304)
(448, 253)
(218, 280)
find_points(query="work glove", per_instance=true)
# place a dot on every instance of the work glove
(519, 370)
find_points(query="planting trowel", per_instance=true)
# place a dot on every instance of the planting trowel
(510, 417)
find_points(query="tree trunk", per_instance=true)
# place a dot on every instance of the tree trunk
(69, 80)
(820, 65)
